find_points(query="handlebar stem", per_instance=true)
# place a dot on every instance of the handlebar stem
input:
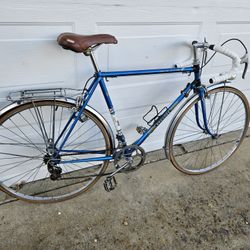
(196, 46)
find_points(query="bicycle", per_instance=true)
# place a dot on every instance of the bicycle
(55, 146)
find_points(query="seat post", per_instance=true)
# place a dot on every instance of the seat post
(93, 60)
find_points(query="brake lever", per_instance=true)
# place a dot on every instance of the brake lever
(244, 60)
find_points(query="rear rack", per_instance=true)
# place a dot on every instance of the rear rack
(39, 94)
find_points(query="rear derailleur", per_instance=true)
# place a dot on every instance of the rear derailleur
(54, 170)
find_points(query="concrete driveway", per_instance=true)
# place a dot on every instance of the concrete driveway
(156, 207)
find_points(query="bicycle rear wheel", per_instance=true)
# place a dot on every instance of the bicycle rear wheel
(194, 151)
(25, 134)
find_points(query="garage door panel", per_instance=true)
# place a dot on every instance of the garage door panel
(138, 94)
(163, 44)
(150, 33)
(31, 52)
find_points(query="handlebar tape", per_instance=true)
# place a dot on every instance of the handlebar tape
(230, 75)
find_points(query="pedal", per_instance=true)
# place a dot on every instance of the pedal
(141, 130)
(110, 184)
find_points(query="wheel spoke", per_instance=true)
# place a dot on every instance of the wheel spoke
(24, 152)
(227, 110)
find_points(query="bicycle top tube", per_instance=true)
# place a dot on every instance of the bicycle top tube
(145, 72)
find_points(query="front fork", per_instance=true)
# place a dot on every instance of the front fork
(202, 92)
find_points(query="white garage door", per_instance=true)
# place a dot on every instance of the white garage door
(150, 34)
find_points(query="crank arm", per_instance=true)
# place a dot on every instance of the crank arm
(119, 169)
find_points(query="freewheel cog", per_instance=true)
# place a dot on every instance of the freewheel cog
(133, 156)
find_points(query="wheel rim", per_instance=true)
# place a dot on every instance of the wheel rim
(23, 170)
(193, 151)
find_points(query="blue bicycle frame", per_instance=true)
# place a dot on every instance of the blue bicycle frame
(100, 80)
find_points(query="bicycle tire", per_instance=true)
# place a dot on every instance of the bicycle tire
(23, 170)
(193, 151)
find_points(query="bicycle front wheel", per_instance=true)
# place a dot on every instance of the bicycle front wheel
(28, 135)
(191, 148)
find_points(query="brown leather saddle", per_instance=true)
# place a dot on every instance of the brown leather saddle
(80, 43)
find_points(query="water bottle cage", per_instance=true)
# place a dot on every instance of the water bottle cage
(151, 120)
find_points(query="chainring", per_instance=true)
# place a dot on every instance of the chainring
(133, 155)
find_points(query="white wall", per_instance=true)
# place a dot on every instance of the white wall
(150, 34)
